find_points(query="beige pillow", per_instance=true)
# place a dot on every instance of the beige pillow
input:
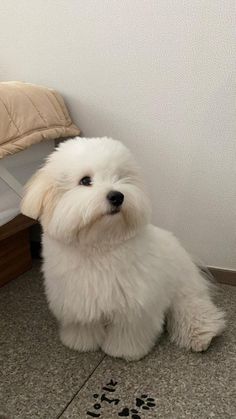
(30, 114)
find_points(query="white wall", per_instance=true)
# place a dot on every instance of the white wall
(158, 75)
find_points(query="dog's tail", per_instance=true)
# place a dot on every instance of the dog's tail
(205, 271)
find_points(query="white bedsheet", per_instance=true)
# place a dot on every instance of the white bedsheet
(9, 204)
(21, 165)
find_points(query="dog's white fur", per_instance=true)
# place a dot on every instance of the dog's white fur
(112, 279)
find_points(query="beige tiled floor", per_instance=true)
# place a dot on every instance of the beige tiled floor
(39, 378)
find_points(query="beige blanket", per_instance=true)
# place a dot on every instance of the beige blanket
(30, 114)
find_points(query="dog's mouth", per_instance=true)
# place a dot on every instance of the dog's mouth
(114, 211)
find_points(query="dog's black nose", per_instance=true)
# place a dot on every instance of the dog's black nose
(115, 198)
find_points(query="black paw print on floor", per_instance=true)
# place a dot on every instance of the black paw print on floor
(143, 403)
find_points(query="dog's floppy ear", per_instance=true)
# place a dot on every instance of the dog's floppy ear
(35, 193)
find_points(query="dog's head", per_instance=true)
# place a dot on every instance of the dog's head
(90, 189)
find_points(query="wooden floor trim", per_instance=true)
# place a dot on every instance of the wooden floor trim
(223, 276)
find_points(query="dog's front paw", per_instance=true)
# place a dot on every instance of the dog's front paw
(80, 338)
(124, 351)
(127, 343)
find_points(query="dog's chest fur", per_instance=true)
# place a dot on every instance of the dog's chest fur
(85, 288)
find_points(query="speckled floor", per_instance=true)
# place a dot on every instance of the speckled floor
(40, 378)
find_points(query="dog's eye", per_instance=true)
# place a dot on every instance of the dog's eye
(86, 181)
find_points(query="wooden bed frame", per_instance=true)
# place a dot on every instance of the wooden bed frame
(15, 254)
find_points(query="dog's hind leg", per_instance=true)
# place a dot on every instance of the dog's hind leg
(193, 319)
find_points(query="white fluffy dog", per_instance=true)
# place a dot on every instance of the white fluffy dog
(112, 278)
